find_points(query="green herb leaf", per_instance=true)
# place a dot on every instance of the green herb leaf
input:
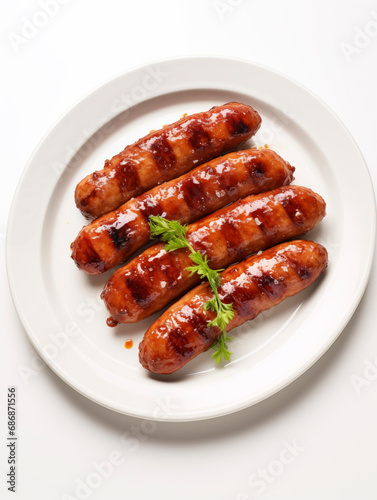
(174, 234)
(221, 348)
(168, 230)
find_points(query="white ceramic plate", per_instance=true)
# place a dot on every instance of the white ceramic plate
(60, 306)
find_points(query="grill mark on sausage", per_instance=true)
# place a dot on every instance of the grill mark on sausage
(236, 125)
(179, 343)
(162, 152)
(181, 340)
(254, 282)
(259, 169)
(92, 256)
(271, 286)
(226, 184)
(199, 138)
(171, 272)
(144, 214)
(93, 193)
(228, 181)
(232, 236)
(265, 216)
(167, 269)
(262, 219)
(292, 208)
(150, 206)
(193, 194)
(120, 236)
(300, 269)
(256, 171)
(127, 176)
(200, 325)
(84, 201)
(140, 290)
(240, 297)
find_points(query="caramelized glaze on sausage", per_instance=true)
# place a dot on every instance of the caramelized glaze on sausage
(252, 286)
(114, 237)
(156, 277)
(165, 154)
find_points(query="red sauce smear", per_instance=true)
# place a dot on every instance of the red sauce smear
(128, 344)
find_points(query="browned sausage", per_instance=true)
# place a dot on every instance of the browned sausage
(156, 277)
(114, 237)
(256, 284)
(165, 154)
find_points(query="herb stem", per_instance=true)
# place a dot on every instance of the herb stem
(174, 234)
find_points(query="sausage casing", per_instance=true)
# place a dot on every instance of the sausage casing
(156, 277)
(252, 286)
(114, 237)
(165, 154)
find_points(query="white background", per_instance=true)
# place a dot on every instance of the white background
(330, 47)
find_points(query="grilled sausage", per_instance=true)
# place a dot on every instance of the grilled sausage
(114, 237)
(165, 154)
(156, 277)
(254, 285)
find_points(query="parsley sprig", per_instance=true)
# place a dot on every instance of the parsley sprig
(174, 233)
